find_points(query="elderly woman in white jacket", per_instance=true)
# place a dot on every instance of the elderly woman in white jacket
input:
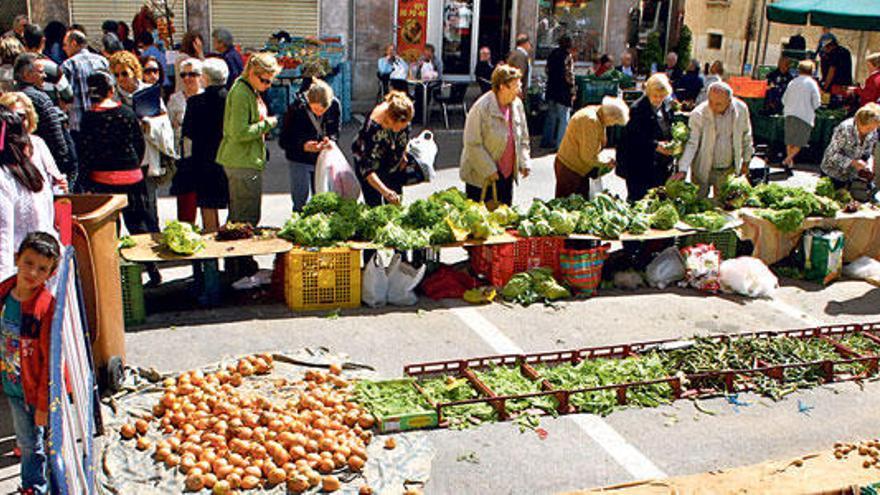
(496, 138)
(720, 142)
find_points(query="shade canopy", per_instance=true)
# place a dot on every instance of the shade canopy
(858, 15)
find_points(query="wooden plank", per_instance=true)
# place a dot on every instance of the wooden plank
(148, 248)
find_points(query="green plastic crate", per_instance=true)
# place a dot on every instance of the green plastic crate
(725, 241)
(133, 308)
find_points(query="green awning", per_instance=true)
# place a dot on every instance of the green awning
(858, 15)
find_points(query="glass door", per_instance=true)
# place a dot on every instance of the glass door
(457, 48)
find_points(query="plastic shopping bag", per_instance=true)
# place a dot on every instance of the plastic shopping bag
(666, 269)
(424, 150)
(374, 283)
(823, 255)
(333, 173)
(403, 279)
(748, 276)
(702, 266)
(864, 268)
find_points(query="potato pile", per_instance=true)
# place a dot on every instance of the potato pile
(869, 449)
(225, 438)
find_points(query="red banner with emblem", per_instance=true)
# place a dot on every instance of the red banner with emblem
(412, 27)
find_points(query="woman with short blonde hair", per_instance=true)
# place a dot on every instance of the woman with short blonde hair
(496, 139)
(380, 147)
(17, 100)
(644, 154)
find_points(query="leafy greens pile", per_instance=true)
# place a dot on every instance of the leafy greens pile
(533, 286)
(182, 238)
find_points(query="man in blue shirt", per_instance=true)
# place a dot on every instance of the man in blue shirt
(224, 45)
(146, 44)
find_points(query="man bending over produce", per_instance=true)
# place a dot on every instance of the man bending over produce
(720, 143)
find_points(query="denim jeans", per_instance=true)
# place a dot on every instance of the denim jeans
(302, 183)
(555, 124)
(30, 440)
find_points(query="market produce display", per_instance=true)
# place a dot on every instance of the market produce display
(592, 373)
(680, 201)
(445, 217)
(182, 238)
(508, 380)
(223, 435)
(533, 286)
(452, 389)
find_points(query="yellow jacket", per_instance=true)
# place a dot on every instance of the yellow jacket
(584, 139)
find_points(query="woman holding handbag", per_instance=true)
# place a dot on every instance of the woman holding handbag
(496, 139)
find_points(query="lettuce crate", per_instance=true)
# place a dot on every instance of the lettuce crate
(499, 262)
(415, 420)
(133, 309)
(327, 278)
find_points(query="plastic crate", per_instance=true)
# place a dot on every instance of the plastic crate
(591, 92)
(328, 278)
(498, 262)
(725, 241)
(746, 87)
(133, 308)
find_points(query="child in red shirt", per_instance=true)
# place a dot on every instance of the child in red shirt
(26, 309)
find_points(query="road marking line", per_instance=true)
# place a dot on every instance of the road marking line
(789, 310)
(633, 461)
(499, 342)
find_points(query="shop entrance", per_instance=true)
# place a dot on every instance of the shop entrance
(470, 24)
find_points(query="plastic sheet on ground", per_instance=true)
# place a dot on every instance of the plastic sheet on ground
(124, 470)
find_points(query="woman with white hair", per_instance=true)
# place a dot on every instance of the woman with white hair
(847, 157)
(577, 160)
(203, 126)
(496, 138)
(183, 186)
(644, 157)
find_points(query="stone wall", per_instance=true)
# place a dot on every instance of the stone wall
(618, 22)
(198, 18)
(43, 11)
(374, 29)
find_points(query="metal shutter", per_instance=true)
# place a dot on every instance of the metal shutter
(92, 13)
(253, 21)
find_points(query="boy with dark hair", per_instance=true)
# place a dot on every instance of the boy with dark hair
(26, 309)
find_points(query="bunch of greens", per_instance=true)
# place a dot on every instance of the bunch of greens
(505, 380)
(390, 398)
(315, 230)
(711, 220)
(609, 217)
(789, 220)
(545, 219)
(395, 236)
(680, 135)
(182, 238)
(600, 372)
(683, 195)
(665, 216)
(375, 218)
(533, 286)
(776, 197)
(450, 389)
(735, 192)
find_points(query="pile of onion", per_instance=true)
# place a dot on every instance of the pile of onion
(224, 439)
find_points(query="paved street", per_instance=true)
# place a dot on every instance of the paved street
(579, 451)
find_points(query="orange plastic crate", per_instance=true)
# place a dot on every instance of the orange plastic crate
(746, 87)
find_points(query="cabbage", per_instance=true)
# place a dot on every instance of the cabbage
(709, 220)
(562, 222)
(182, 238)
(665, 217)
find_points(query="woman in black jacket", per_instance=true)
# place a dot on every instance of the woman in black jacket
(643, 158)
(203, 125)
(311, 123)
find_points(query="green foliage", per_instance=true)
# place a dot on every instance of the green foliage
(707, 220)
(789, 220)
(653, 53)
(533, 286)
(182, 238)
(665, 217)
(685, 47)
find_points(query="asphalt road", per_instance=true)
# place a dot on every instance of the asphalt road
(579, 451)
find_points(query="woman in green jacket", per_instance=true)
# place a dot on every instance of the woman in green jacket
(242, 151)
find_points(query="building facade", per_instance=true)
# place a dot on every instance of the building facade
(728, 30)
(457, 28)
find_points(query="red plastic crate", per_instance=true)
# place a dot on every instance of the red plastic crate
(499, 262)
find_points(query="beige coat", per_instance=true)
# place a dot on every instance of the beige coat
(700, 148)
(485, 137)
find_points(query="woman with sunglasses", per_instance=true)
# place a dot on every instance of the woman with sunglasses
(380, 150)
(242, 152)
(152, 71)
(183, 185)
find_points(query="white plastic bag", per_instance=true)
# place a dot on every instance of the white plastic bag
(333, 173)
(748, 276)
(666, 269)
(864, 268)
(424, 149)
(374, 283)
(402, 282)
